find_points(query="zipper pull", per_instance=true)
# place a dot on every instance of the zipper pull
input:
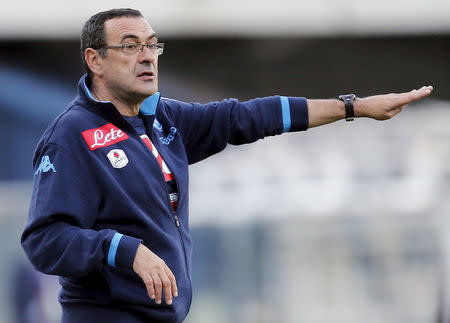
(176, 221)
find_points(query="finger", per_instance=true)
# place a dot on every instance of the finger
(429, 88)
(158, 288)
(414, 95)
(167, 286)
(148, 281)
(424, 89)
(173, 281)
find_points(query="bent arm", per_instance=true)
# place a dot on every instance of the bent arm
(60, 248)
(59, 237)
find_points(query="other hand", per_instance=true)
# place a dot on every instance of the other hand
(156, 275)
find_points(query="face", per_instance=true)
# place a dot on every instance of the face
(133, 77)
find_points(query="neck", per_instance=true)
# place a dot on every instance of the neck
(125, 107)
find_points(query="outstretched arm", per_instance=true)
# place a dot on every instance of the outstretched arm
(378, 107)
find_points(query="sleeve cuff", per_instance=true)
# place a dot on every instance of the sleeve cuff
(122, 251)
(294, 113)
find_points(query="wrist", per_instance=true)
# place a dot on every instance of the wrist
(359, 107)
(137, 258)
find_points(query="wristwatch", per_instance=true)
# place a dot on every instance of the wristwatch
(348, 101)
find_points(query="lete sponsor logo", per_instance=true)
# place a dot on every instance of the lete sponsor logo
(104, 136)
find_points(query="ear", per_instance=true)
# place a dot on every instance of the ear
(93, 60)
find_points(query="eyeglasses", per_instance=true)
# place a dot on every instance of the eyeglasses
(133, 48)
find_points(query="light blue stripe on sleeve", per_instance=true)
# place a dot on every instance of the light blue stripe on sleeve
(113, 249)
(285, 113)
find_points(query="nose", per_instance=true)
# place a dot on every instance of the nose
(146, 55)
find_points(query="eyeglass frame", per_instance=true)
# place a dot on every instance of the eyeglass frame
(156, 46)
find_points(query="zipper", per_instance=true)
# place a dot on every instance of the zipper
(177, 222)
(152, 157)
(131, 128)
(175, 217)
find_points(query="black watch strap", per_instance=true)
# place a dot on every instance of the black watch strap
(348, 101)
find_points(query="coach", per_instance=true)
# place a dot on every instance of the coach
(109, 209)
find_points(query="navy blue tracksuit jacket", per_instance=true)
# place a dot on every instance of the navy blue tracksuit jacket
(99, 192)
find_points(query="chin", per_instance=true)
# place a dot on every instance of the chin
(143, 94)
(142, 90)
(149, 90)
(150, 93)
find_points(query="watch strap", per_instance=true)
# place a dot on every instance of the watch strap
(348, 100)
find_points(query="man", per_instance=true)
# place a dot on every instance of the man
(109, 211)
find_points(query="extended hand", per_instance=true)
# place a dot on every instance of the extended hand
(385, 106)
(155, 274)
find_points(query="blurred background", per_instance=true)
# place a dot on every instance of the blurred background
(344, 223)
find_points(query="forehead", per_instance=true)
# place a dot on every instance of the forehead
(117, 28)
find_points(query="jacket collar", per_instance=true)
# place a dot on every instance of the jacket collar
(107, 110)
(148, 106)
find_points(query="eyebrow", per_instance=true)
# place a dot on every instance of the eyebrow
(137, 38)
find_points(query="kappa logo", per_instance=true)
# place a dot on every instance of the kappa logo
(104, 136)
(118, 158)
(45, 166)
(170, 137)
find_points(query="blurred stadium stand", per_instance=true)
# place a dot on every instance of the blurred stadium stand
(345, 223)
(209, 18)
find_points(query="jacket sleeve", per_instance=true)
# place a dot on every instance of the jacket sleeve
(207, 128)
(58, 238)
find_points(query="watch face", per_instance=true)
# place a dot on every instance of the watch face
(346, 97)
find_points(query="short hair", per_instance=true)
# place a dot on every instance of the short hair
(93, 33)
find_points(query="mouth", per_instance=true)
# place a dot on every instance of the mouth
(146, 75)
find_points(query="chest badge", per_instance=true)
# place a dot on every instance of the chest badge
(118, 158)
(157, 125)
(170, 137)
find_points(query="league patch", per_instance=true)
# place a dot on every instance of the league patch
(104, 136)
(157, 125)
(118, 158)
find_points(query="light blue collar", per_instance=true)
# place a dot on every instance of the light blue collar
(148, 106)
(88, 92)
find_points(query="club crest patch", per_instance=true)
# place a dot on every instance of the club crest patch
(118, 158)
(170, 136)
